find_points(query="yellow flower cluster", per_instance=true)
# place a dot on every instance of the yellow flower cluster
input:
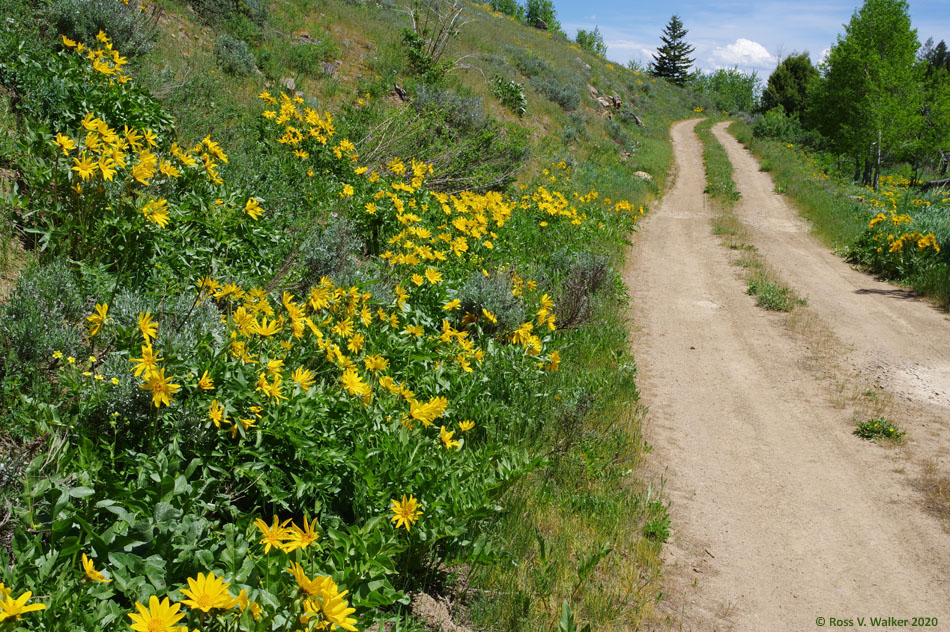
(104, 153)
(923, 241)
(204, 594)
(104, 59)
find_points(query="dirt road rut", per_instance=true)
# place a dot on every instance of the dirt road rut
(780, 514)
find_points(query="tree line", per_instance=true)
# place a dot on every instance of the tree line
(878, 98)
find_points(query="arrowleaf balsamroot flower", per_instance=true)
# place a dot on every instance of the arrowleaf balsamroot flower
(91, 571)
(160, 616)
(429, 411)
(208, 592)
(148, 328)
(274, 535)
(147, 364)
(98, 319)
(329, 602)
(253, 208)
(405, 512)
(161, 387)
(446, 437)
(11, 608)
(301, 538)
(156, 211)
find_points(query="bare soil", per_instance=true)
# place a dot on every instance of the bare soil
(781, 515)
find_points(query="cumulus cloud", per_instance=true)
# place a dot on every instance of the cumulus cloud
(742, 52)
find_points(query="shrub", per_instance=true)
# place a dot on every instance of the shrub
(128, 26)
(564, 94)
(780, 126)
(586, 274)
(511, 95)
(234, 55)
(225, 11)
(40, 317)
(492, 293)
(329, 251)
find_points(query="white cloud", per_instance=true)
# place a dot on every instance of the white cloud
(742, 52)
(824, 56)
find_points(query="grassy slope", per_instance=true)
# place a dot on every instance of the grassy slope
(589, 496)
(588, 499)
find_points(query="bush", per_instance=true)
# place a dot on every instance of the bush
(492, 293)
(586, 274)
(307, 58)
(729, 89)
(511, 95)
(329, 251)
(40, 317)
(128, 26)
(564, 94)
(234, 55)
(225, 11)
(779, 126)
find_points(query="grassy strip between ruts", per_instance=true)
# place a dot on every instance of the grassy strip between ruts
(770, 293)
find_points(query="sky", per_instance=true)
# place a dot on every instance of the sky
(750, 34)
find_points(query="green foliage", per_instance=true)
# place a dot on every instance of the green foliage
(775, 124)
(878, 429)
(729, 89)
(788, 85)
(39, 318)
(58, 88)
(537, 11)
(867, 103)
(511, 95)
(509, 7)
(234, 55)
(672, 60)
(131, 29)
(591, 41)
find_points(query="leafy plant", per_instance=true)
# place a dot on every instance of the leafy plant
(234, 55)
(511, 95)
(879, 428)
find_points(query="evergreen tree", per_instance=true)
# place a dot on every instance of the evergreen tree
(788, 85)
(671, 60)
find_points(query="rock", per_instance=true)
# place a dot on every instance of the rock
(288, 84)
(605, 102)
(403, 95)
(593, 90)
(540, 24)
(628, 113)
(625, 156)
(616, 101)
(643, 175)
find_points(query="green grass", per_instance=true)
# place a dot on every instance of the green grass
(762, 282)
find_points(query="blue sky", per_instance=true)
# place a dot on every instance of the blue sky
(749, 33)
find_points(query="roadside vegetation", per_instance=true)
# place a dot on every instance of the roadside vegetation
(762, 282)
(288, 346)
(874, 185)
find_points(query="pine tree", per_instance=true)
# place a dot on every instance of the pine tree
(671, 60)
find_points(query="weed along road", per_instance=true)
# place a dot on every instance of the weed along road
(782, 518)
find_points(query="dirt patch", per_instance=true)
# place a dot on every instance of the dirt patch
(780, 514)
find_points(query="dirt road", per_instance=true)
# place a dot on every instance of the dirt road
(780, 514)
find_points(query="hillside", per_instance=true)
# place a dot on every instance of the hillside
(310, 321)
